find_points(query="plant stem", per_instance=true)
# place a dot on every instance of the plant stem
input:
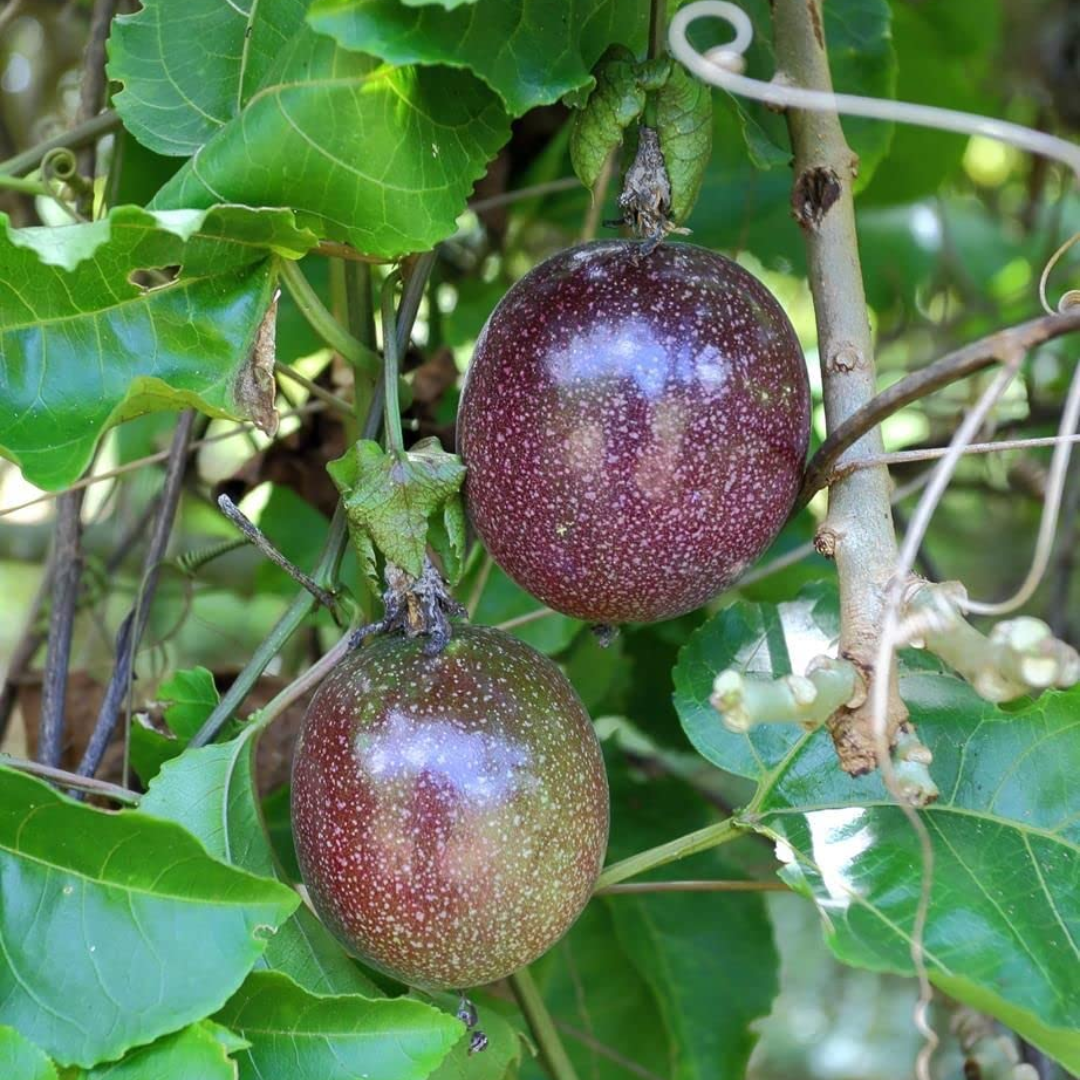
(325, 573)
(131, 629)
(972, 358)
(395, 442)
(92, 93)
(79, 135)
(337, 404)
(640, 887)
(25, 187)
(858, 530)
(91, 785)
(711, 836)
(68, 561)
(536, 1013)
(323, 323)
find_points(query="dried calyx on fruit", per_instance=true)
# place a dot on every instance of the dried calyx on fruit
(450, 811)
(634, 427)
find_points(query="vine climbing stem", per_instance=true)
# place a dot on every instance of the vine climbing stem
(858, 530)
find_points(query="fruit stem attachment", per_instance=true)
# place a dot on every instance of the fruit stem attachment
(395, 441)
(1018, 657)
(721, 832)
(542, 1026)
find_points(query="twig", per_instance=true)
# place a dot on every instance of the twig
(243, 428)
(935, 453)
(78, 136)
(257, 537)
(1065, 562)
(550, 187)
(536, 1013)
(599, 194)
(858, 530)
(134, 624)
(636, 887)
(65, 594)
(61, 777)
(477, 593)
(524, 620)
(92, 89)
(711, 836)
(337, 404)
(972, 358)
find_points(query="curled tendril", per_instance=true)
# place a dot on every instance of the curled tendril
(1071, 299)
(722, 67)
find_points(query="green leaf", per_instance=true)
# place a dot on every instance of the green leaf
(499, 1059)
(211, 792)
(296, 1034)
(526, 53)
(447, 536)
(389, 175)
(200, 1051)
(115, 901)
(616, 102)
(192, 696)
(188, 70)
(1005, 896)
(84, 347)
(22, 1060)
(684, 124)
(709, 958)
(390, 496)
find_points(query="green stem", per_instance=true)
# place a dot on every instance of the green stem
(690, 844)
(79, 135)
(542, 1026)
(323, 323)
(395, 442)
(26, 187)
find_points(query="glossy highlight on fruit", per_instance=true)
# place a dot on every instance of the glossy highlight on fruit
(634, 428)
(450, 812)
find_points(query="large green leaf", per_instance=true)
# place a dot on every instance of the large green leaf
(116, 903)
(191, 697)
(527, 52)
(83, 346)
(22, 1060)
(383, 158)
(211, 792)
(188, 69)
(1004, 917)
(304, 1037)
(200, 1051)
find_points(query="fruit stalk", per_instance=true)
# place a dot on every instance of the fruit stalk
(858, 530)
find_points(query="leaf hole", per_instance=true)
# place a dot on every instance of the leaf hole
(152, 278)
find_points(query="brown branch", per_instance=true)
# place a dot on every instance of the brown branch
(972, 358)
(92, 88)
(858, 530)
(134, 624)
(88, 784)
(68, 562)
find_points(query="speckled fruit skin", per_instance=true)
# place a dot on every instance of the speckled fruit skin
(450, 812)
(634, 427)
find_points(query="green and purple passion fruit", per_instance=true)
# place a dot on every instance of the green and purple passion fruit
(450, 812)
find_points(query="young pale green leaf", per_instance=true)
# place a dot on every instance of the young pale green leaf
(523, 52)
(87, 343)
(211, 792)
(200, 1051)
(709, 958)
(615, 103)
(192, 696)
(115, 902)
(390, 497)
(684, 125)
(1005, 888)
(296, 1034)
(22, 1060)
(389, 175)
(446, 536)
